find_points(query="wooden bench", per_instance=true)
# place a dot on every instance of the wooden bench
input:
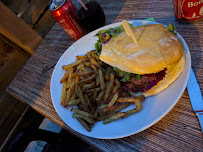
(23, 25)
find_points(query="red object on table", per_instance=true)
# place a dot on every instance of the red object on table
(188, 10)
(66, 15)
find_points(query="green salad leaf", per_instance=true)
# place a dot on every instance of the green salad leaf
(105, 35)
(172, 28)
(126, 75)
(98, 47)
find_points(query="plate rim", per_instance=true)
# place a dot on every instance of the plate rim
(158, 118)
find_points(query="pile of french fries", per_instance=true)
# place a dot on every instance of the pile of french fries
(96, 90)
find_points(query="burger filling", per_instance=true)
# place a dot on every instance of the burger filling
(145, 83)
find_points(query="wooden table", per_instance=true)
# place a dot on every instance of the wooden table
(179, 130)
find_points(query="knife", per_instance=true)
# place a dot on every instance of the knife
(48, 66)
(195, 97)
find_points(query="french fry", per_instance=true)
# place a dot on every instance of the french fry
(113, 100)
(89, 95)
(88, 86)
(138, 105)
(68, 96)
(89, 79)
(114, 117)
(86, 114)
(73, 97)
(100, 96)
(69, 78)
(101, 79)
(115, 89)
(63, 95)
(81, 97)
(142, 97)
(109, 87)
(94, 96)
(81, 66)
(95, 63)
(128, 99)
(77, 79)
(88, 64)
(97, 57)
(80, 106)
(136, 109)
(92, 90)
(91, 98)
(76, 58)
(89, 120)
(81, 57)
(93, 54)
(118, 108)
(102, 106)
(88, 102)
(70, 92)
(66, 75)
(107, 75)
(84, 59)
(114, 109)
(93, 108)
(109, 99)
(97, 78)
(101, 118)
(83, 73)
(107, 109)
(117, 82)
(138, 95)
(67, 67)
(73, 102)
(84, 124)
(124, 94)
(81, 77)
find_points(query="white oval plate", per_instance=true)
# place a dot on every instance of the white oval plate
(154, 108)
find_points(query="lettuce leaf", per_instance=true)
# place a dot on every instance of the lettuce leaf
(172, 28)
(126, 75)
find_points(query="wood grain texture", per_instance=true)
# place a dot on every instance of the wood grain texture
(45, 24)
(34, 10)
(21, 34)
(6, 52)
(179, 130)
(10, 117)
(16, 6)
(10, 69)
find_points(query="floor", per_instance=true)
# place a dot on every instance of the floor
(35, 126)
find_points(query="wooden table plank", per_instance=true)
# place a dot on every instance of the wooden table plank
(179, 130)
(21, 34)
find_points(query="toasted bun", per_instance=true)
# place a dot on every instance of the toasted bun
(157, 49)
(172, 73)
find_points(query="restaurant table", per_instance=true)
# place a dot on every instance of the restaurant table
(179, 130)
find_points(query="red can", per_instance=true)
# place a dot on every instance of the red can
(65, 14)
(188, 10)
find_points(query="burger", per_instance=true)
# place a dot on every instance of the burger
(148, 67)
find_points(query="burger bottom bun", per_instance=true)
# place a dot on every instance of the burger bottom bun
(172, 73)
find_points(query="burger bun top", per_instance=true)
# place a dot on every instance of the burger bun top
(157, 49)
